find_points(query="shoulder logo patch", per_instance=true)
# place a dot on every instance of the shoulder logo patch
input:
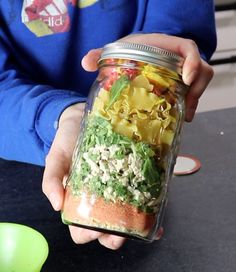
(46, 17)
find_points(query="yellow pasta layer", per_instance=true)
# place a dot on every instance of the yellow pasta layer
(138, 113)
(150, 72)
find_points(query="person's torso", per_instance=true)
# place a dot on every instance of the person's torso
(50, 37)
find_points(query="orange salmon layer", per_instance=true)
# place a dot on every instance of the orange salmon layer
(91, 211)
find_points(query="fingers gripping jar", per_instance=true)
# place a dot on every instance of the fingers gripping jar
(128, 143)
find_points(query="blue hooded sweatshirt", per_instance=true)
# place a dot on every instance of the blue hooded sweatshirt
(42, 43)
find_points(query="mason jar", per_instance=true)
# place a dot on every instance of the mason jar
(129, 139)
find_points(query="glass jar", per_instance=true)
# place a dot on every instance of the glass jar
(128, 144)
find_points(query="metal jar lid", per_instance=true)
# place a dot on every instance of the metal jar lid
(145, 53)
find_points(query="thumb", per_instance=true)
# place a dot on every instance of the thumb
(191, 68)
(59, 158)
(55, 170)
(89, 61)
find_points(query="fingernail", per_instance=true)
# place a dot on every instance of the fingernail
(54, 201)
(160, 233)
(188, 80)
(189, 115)
(117, 243)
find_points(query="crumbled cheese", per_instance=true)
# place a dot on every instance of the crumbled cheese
(113, 149)
(124, 181)
(105, 165)
(147, 195)
(153, 202)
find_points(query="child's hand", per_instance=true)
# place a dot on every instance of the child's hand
(57, 168)
(196, 72)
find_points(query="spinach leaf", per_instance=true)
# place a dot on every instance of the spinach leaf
(144, 150)
(150, 171)
(116, 89)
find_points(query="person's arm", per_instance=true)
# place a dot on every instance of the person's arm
(29, 112)
(193, 20)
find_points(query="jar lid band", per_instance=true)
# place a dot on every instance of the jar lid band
(145, 53)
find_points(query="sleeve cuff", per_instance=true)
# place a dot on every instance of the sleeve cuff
(49, 113)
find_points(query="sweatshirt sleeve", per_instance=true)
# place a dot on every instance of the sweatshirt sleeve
(29, 112)
(193, 19)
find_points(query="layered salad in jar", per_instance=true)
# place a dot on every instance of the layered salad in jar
(118, 176)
